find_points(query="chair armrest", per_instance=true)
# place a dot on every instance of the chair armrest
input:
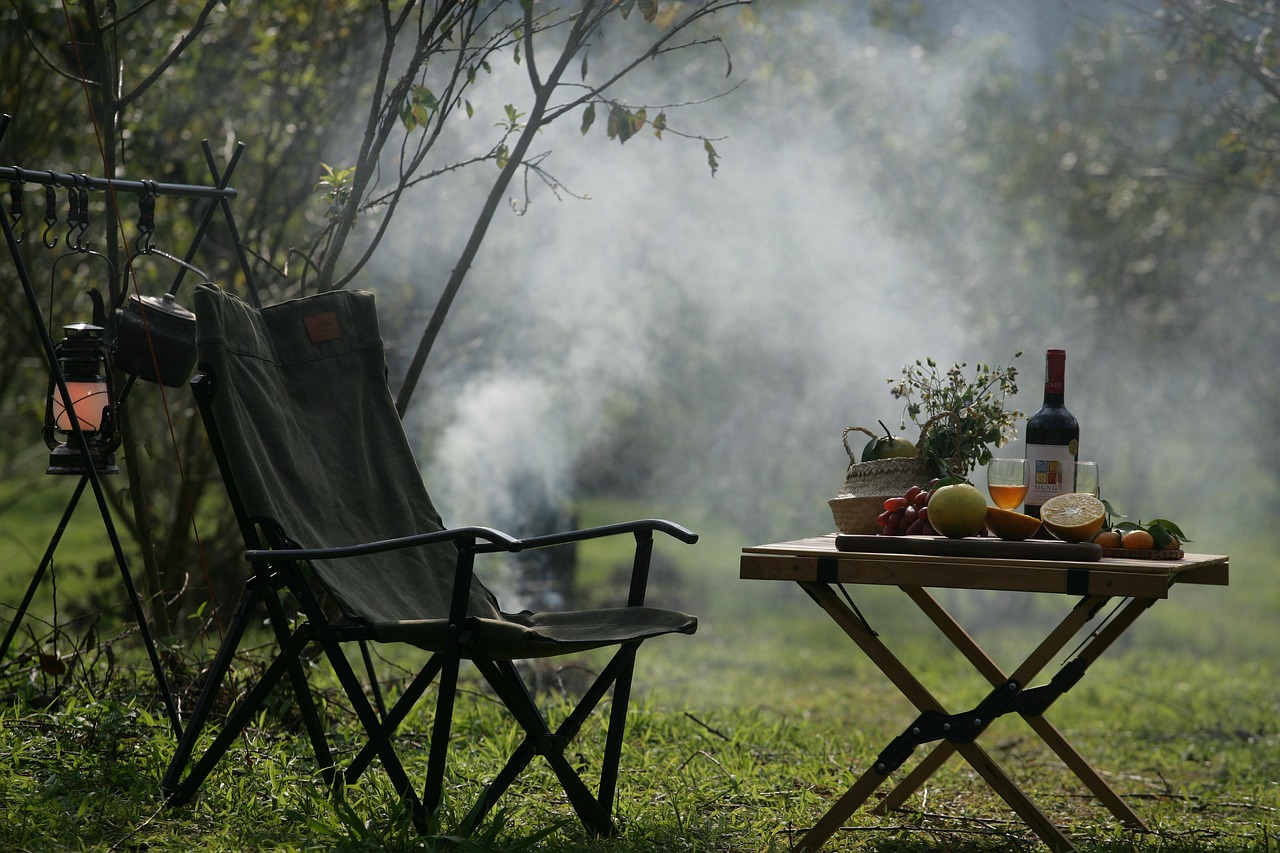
(647, 525)
(643, 531)
(496, 539)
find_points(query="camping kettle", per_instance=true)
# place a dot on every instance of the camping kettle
(144, 323)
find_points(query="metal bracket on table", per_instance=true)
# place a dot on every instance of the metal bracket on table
(957, 728)
(1008, 698)
(1036, 700)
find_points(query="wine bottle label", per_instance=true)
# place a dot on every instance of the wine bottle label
(1051, 471)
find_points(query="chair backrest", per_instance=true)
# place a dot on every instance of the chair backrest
(314, 446)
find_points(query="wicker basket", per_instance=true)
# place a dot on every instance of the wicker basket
(867, 485)
(856, 515)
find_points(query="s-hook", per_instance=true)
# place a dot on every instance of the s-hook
(144, 245)
(78, 214)
(50, 216)
(73, 214)
(15, 207)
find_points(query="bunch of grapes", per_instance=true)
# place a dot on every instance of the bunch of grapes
(909, 514)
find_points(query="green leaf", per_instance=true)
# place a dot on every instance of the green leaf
(649, 8)
(1111, 511)
(1171, 527)
(620, 123)
(713, 159)
(1160, 536)
(1233, 151)
(659, 124)
(588, 118)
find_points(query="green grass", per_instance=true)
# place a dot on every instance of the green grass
(738, 739)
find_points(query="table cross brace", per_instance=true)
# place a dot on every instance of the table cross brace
(963, 727)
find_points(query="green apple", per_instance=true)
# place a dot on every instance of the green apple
(957, 511)
(888, 447)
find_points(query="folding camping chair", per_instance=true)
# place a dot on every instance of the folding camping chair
(330, 503)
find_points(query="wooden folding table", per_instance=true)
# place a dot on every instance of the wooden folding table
(824, 564)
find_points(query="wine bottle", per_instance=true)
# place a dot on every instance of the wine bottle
(1053, 437)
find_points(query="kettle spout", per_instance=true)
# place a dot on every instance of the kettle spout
(99, 307)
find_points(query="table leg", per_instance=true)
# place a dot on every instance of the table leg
(1041, 726)
(919, 696)
(984, 764)
(920, 774)
(1037, 660)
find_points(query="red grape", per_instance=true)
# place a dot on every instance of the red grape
(907, 515)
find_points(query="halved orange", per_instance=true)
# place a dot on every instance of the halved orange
(1076, 517)
(1010, 525)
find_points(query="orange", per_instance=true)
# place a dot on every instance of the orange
(1011, 525)
(1138, 539)
(1107, 539)
(1076, 517)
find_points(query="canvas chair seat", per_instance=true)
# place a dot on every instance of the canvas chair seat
(330, 502)
(518, 636)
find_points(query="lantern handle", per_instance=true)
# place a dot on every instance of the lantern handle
(84, 250)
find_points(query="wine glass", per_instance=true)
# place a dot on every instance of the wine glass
(1087, 478)
(1007, 481)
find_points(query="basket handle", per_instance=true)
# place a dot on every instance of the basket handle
(924, 430)
(845, 438)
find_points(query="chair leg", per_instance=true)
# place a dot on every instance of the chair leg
(392, 719)
(179, 793)
(612, 759)
(169, 784)
(302, 693)
(373, 728)
(433, 789)
(501, 680)
(374, 687)
(506, 682)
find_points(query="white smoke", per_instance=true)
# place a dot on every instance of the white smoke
(792, 265)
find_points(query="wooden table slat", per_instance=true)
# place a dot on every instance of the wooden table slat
(817, 559)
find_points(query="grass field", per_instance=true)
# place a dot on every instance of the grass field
(739, 738)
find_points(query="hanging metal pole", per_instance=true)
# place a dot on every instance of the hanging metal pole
(67, 179)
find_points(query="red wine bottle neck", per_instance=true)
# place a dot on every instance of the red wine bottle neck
(1055, 375)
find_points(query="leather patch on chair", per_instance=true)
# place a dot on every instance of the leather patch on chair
(323, 327)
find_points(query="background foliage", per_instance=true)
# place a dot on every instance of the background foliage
(893, 180)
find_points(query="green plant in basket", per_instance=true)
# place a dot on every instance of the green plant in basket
(960, 418)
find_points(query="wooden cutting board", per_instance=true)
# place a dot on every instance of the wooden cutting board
(941, 546)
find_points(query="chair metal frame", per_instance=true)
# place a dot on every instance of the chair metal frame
(279, 566)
